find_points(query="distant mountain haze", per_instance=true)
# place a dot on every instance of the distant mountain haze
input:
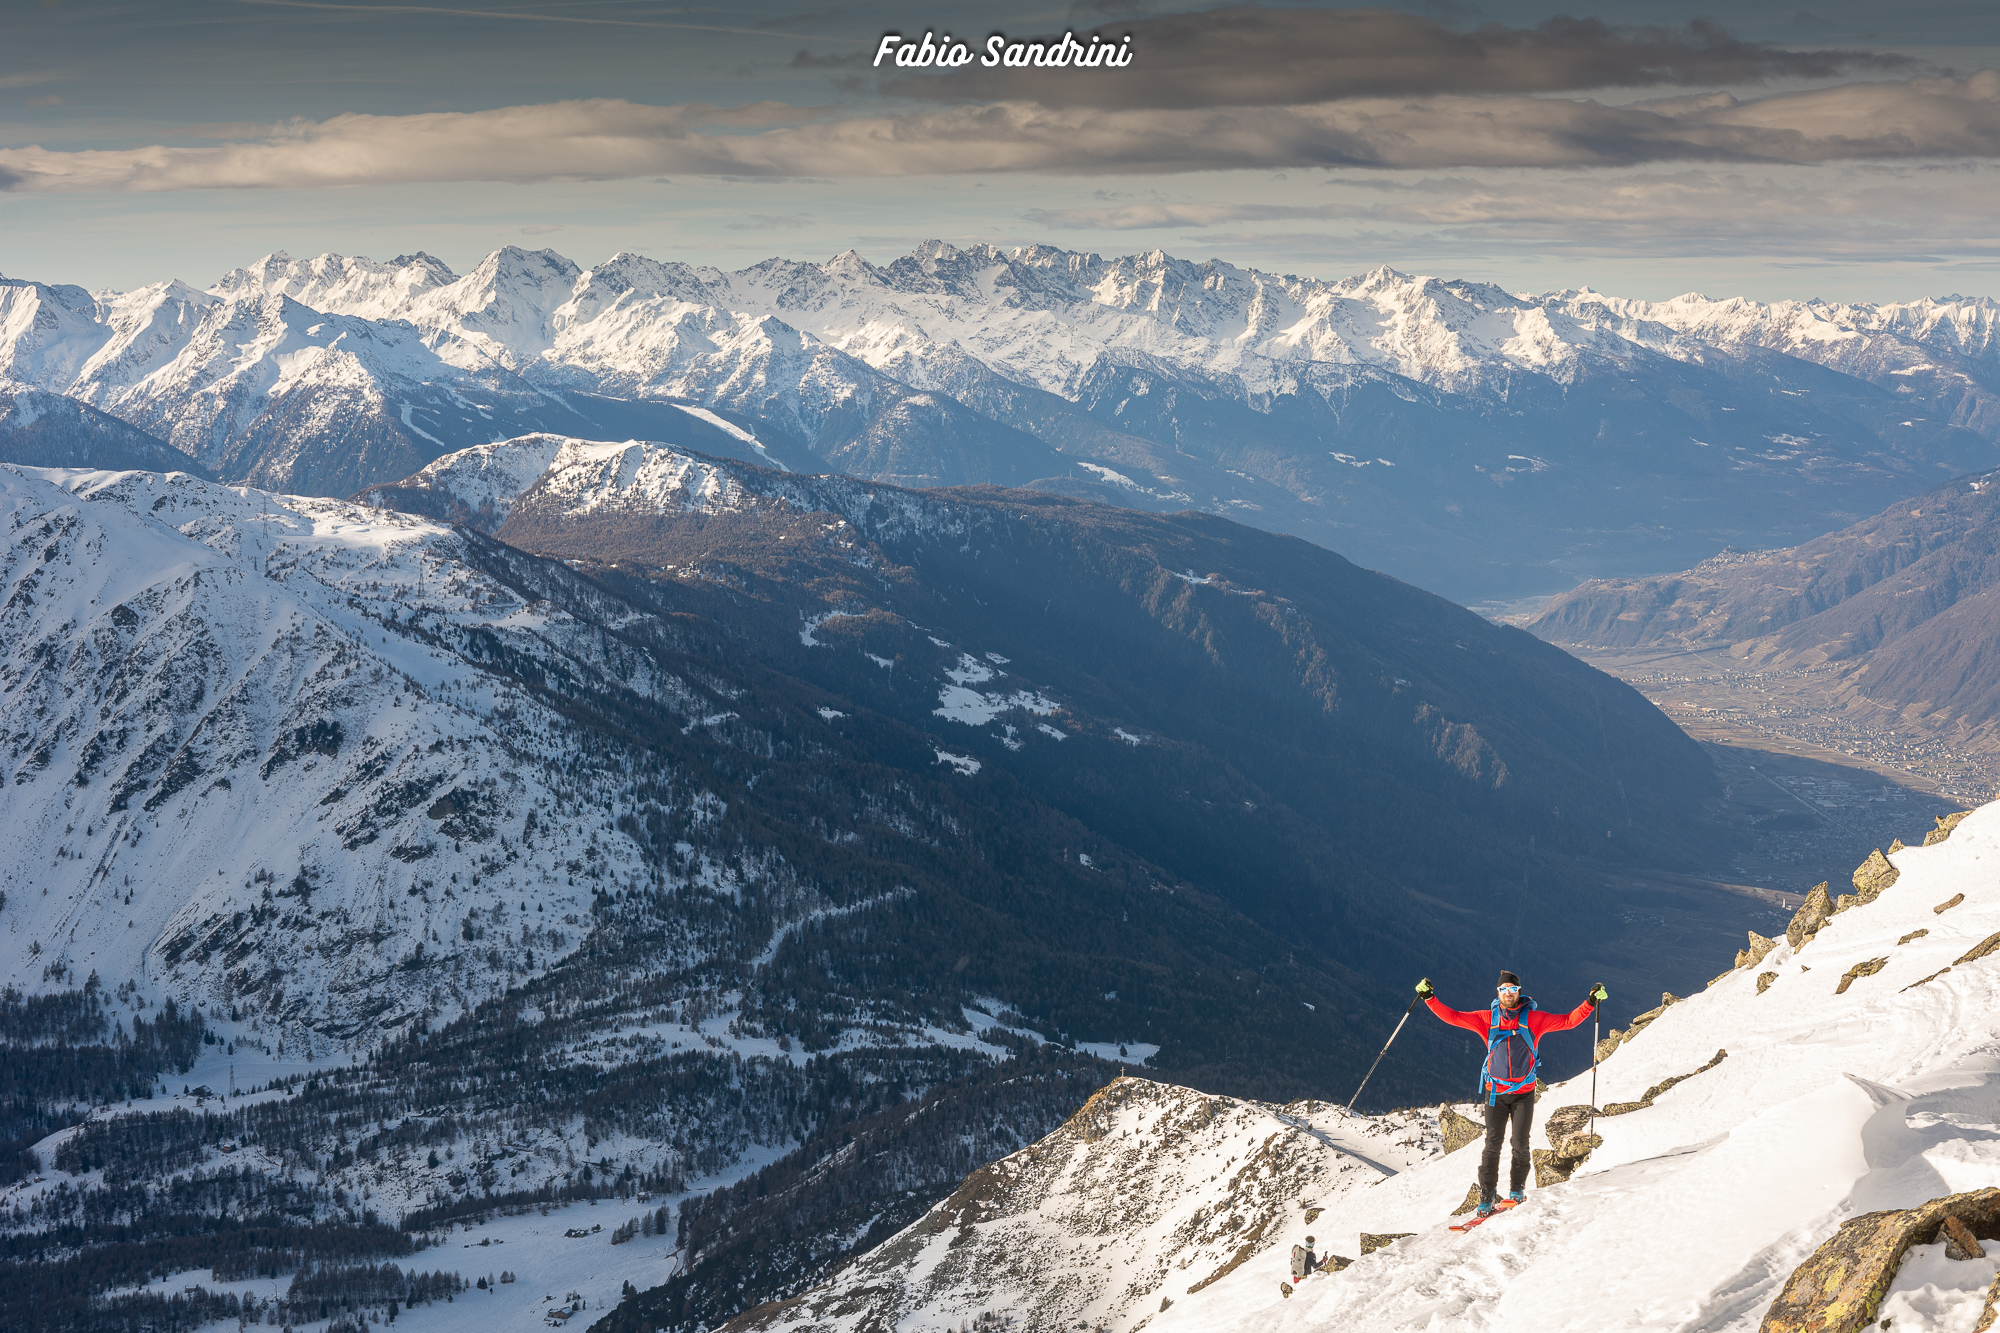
(1477, 442)
(1904, 607)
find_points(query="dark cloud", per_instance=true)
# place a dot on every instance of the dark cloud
(1250, 56)
(813, 60)
(606, 140)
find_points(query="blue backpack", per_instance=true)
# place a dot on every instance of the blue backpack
(1511, 1058)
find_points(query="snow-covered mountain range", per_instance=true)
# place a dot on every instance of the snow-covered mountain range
(1447, 431)
(1778, 1151)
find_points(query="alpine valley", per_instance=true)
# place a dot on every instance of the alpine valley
(851, 797)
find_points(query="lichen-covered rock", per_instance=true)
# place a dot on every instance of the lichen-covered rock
(1812, 914)
(1960, 1243)
(1948, 904)
(1913, 935)
(1759, 946)
(1624, 1108)
(1979, 950)
(1896, 846)
(1838, 1289)
(1859, 970)
(1608, 1045)
(1945, 824)
(1764, 980)
(1471, 1201)
(1563, 1122)
(1371, 1242)
(1921, 980)
(1553, 1168)
(1843, 902)
(1874, 875)
(1992, 1310)
(1666, 1083)
(1458, 1130)
(1333, 1263)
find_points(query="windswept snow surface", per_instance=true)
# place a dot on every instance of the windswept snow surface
(1697, 1209)
(1157, 1207)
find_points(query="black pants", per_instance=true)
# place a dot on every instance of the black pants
(1518, 1107)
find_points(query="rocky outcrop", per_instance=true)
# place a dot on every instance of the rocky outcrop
(1764, 980)
(1859, 970)
(1992, 1310)
(1570, 1144)
(1759, 946)
(1913, 935)
(1623, 1108)
(1619, 1037)
(1809, 918)
(1979, 950)
(1458, 1130)
(1874, 875)
(1371, 1242)
(1839, 1288)
(1945, 824)
(1948, 904)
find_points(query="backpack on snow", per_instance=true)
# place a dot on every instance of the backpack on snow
(1511, 1057)
(1300, 1259)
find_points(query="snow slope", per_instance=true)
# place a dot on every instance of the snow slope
(244, 724)
(1690, 1216)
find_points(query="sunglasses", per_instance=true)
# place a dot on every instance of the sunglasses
(1510, 990)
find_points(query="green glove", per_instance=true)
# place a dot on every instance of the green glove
(1598, 995)
(1424, 991)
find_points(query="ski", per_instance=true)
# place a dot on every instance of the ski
(1473, 1221)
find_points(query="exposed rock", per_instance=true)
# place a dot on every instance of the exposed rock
(1838, 1289)
(1979, 950)
(1553, 1168)
(1921, 980)
(1960, 1243)
(1624, 1108)
(1843, 902)
(1471, 1201)
(1945, 824)
(1874, 875)
(1333, 1263)
(1564, 1122)
(1664, 1084)
(1913, 935)
(1809, 918)
(1859, 970)
(1949, 903)
(1371, 1242)
(1896, 846)
(1458, 1129)
(1608, 1045)
(1992, 1310)
(1759, 946)
(1764, 980)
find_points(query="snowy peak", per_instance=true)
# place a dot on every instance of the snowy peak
(1148, 1189)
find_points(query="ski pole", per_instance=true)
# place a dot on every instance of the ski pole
(1593, 1071)
(1385, 1050)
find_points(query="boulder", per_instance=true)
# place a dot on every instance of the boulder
(1913, 935)
(1608, 1045)
(1948, 904)
(1838, 1288)
(1874, 875)
(1859, 970)
(1764, 980)
(1759, 946)
(1333, 1263)
(1553, 1168)
(1809, 918)
(1458, 1130)
(1370, 1242)
(1563, 1122)
(1945, 824)
(1471, 1201)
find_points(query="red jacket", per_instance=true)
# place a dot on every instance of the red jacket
(1481, 1020)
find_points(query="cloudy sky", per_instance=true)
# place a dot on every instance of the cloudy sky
(1846, 150)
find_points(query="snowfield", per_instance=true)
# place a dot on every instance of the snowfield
(1160, 1208)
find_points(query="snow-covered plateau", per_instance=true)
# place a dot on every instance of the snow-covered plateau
(1844, 1073)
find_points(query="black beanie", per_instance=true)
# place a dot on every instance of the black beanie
(1509, 979)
